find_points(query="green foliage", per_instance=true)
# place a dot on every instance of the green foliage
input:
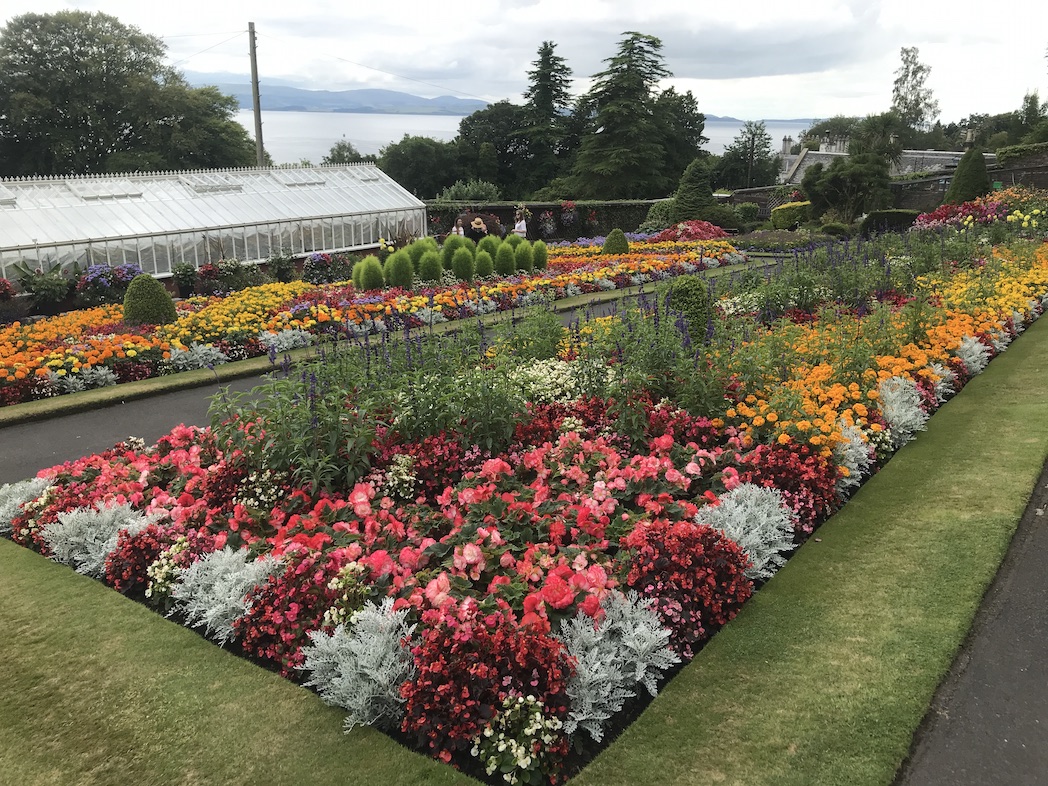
(722, 215)
(747, 212)
(537, 336)
(513, 241)
(281, 266)
(398, 270)
(343, 152)
(421, 165)
(490, 243)
(505, 260)
(546, 110)
(484, 265)
(970, 180)
(694, 193)
(835, 229)
(148, 303)
(851, 185)
(430, 267)
(691, 296)
(82, 93)
(355, 274)
(453, 243)
(790, 215)
(911, 100)
(371, 276)
(416, 249)
(524, 258)
(616, 243)
(541, 253)
(888, 221)
(660, 217)
(462, 264)
(1009, 155)
(748, 161)
(470, 190)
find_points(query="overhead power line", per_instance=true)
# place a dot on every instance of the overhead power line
(220, 43)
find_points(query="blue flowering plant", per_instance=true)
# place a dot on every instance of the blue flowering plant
(101, 284)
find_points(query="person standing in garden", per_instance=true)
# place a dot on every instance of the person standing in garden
(521, 227)
(477, 230)
(458, 229)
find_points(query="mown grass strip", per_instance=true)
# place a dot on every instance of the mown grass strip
(828, 670)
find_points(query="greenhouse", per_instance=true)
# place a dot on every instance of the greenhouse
(159, 219)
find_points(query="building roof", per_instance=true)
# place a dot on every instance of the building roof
(54, 211)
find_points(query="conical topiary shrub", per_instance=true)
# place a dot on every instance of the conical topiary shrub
(462, 264)
(146, 302)
(616, 243)
(483, 265)
(538, 248)
(452, 244)
(523, 256)
(371, 277)
(430, 267)
(514, 241)
(490, 244)
(505, 261)
(970, 179)
(399, 270)
(416, 249)
(694, 193)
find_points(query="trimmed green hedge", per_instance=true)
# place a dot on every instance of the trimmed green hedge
(888, 221)
(791, 214)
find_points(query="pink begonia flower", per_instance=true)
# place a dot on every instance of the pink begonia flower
(677, 479)
(557, 592)
(507, 560)
(360, 498)
(492, 469)
(730, 478)
(380, 562)
(590, 606)
(662, 444)
(438, 590)
(693, 469)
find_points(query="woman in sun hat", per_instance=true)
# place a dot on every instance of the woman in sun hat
(476, 230)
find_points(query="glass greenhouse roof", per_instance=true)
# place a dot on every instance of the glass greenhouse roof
(62, 211)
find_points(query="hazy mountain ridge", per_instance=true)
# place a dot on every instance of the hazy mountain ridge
(277, 96)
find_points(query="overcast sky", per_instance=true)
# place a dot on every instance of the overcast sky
(751, 59)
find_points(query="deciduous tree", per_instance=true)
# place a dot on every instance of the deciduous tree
(911, 100)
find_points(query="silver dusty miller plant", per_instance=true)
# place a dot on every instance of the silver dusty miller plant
(629, 646)
(84, 537)
(14, 495)
(361, 666)
(212, 592)
(759, 521)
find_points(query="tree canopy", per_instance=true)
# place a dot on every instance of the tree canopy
(911, 100)
(82, 93)
(748, 161)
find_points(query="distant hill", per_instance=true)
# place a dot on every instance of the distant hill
(282, 98)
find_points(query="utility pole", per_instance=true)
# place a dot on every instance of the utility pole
(260, 154)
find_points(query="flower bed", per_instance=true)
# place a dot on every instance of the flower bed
(92, 348)
(495, 581)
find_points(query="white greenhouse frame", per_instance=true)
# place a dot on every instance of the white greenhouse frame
(160, 219)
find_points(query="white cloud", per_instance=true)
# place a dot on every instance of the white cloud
(750, 58)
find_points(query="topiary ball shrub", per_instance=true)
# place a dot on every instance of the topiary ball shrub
(882, 221)
(371, 276)
(462, 264)
(835, 229)
(399, 270)
(484, 265)
(616, 243)
(416, 249)
(538, 248)
(505, 260)
(691, 296)
(146, 302)
(430, 267)
(523, 256)
(490, 244)
(452, 244)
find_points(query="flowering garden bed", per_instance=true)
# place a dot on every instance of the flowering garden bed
(93, 348)
(490, 544)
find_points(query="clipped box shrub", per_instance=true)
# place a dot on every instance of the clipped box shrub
(791, 214)
(483, 264)
(835, 229)
(147, 302)
(747, 212)
(371, 276)
(399, 270)
(616, 243)
(430, 268)
(462, 264)
(880, 221)
(505, 260)
(523, 256)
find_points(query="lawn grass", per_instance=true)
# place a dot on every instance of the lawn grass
(822, 679)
